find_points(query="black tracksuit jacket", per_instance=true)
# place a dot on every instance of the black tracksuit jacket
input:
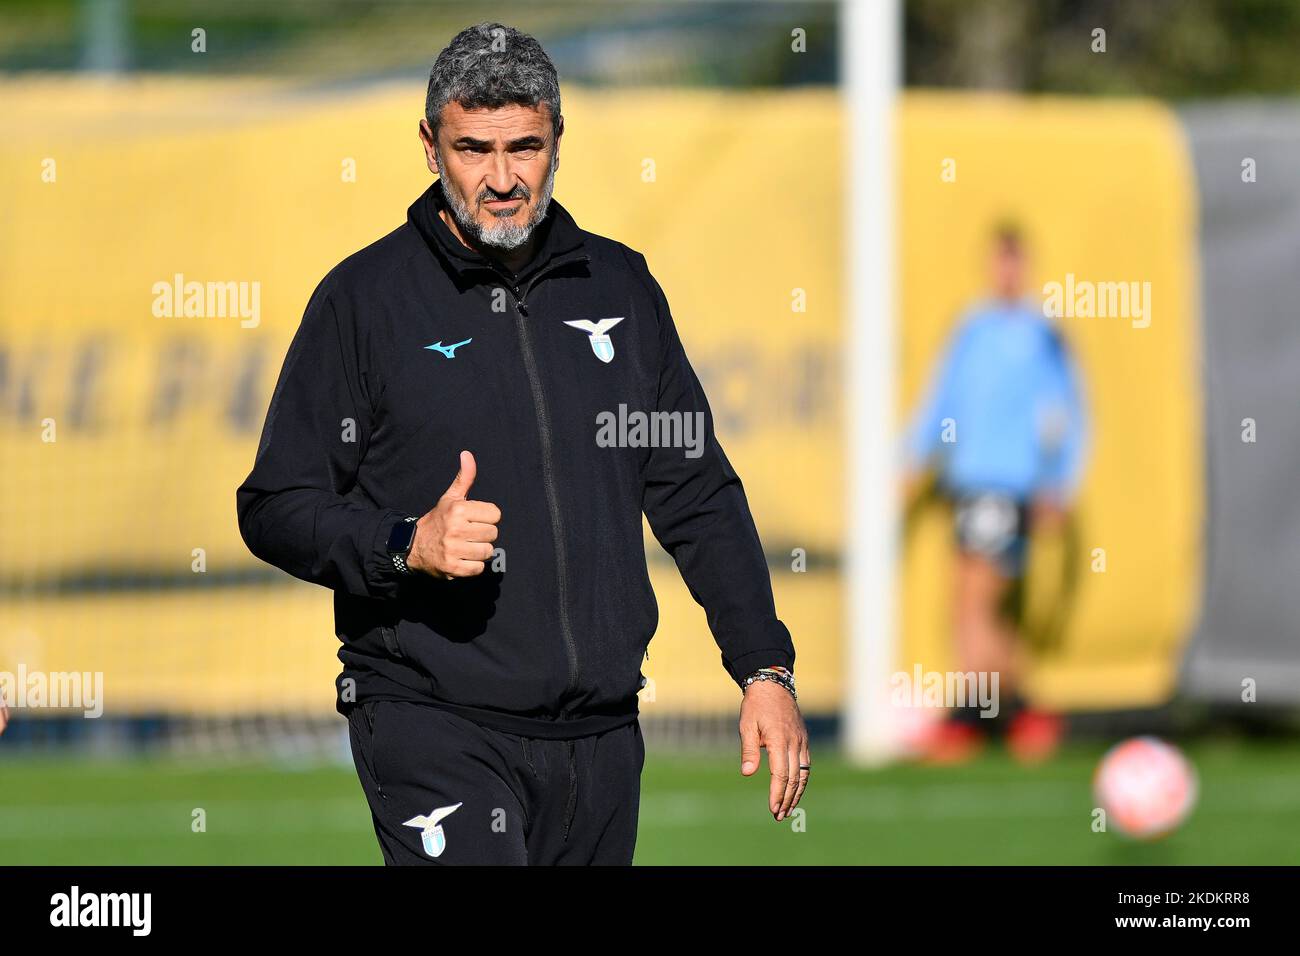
(365, 427)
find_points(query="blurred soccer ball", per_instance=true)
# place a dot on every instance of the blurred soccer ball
(1146, 787)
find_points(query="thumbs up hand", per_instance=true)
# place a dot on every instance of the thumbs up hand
(454, 540)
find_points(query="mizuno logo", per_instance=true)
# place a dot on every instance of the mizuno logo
(599, 332)
(431, 835)
(447, 350)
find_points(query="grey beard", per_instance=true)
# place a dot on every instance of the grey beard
(507, 235)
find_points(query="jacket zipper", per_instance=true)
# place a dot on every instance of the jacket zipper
(548, 464)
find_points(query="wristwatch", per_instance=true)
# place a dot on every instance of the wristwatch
(400, 540)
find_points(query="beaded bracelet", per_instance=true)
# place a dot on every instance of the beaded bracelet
(778, 675)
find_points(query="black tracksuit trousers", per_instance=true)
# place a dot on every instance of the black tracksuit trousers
(445, 790)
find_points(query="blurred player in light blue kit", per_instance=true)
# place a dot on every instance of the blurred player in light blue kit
(1005, 429)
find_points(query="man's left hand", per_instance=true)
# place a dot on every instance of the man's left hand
(770, 719)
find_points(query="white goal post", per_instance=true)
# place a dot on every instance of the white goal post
(870, 63)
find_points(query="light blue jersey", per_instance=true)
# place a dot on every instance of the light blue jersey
(1005, 413)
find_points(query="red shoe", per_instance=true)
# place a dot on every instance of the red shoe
(952, 742)
(1035, 736)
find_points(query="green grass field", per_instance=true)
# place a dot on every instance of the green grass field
(695, 810)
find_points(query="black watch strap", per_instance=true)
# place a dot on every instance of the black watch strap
(400, 540)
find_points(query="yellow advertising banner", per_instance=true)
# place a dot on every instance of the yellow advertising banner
(160, 239)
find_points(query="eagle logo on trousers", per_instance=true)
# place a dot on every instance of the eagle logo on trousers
(431, 835)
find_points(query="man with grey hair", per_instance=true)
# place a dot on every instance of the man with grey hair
(492, 644)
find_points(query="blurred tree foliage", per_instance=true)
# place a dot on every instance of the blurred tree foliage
(599, 42)
(1169, 48)
(1176, 49)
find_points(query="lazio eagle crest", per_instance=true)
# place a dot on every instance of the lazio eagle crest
(599, 332)
(431, 835)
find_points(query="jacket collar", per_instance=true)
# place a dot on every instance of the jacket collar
(557, 234)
